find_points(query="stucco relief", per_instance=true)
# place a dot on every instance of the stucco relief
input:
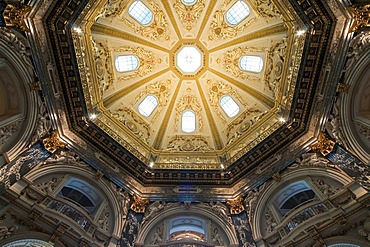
(158, 28)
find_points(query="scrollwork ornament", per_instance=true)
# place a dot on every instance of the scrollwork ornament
(361, 15)
(138, 205)
(15, 14)
(236, 206)
(324, 144)
(52, 143)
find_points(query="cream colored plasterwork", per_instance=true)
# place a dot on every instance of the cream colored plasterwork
(189, 14)
(133, 122)
(147, 61)
(266, 9)
(161, 90)
(231, 61)
(189, 102)
(243, 123)
(188, 143)
(158, 28)
(113, 8)
(103, 65)
(219, 27)
(216, 91)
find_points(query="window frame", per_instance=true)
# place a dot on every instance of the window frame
(261, 65)
(129, 70)
(182, 121)
(141, 22)
(229, 15)
(144, 113)
(222, 105)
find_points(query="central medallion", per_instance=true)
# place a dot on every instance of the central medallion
(189, 59)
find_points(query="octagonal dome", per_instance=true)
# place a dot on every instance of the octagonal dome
(236, 106)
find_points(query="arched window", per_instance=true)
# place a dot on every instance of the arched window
(126, 63)
(294, 195)
(187, 228)
(81, 193)
(251, 63)
(28, 242)
(229, 106)
(188, 121)
(238, 12)
(189, 2)
(148, 105)
(140, 12)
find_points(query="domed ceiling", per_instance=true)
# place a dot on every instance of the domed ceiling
(227, 93)
(179, 36)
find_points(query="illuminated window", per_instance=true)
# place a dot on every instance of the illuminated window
(189, 2)
(238, 12)
(148, 105)
(230, 107)
(188, 121)
(126, 63)
(251, 63)
(140, 12)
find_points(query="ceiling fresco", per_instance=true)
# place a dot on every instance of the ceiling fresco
(187, 58)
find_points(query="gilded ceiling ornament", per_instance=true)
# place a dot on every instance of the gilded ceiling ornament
(146, 58)
(274, 64)
(138, 205)
(361, 15)
(236, 206)
(231, 61)
(52, 143)
(103, 65)
(189, 14)
(133, 122)
(15, 14)
(189, 102)
(265, 8)
(156, 29)
(219, 27)
(113, 8)
(160, 89)
(216, 91)
(324, 145)
(188, 143)
(243, 123)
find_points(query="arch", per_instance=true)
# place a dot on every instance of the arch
(346, 241)
(30, 237)
(268, 195)
(19, 114)
(354, 110)
(197, 211)
(76, 170)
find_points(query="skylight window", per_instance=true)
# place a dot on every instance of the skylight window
(148, 105)
(251, 63)
(126, 63)
(238, 12)
(189, 2)
(229, 106)
(188, 121)
(140, 12)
